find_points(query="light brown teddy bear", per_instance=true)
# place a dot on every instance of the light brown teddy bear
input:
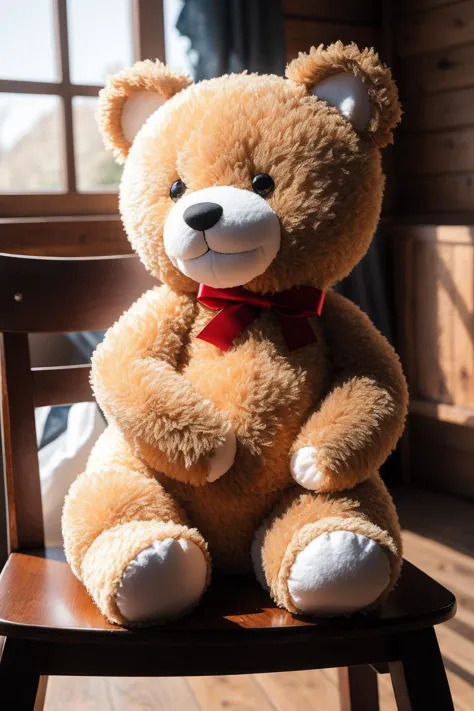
(247, 420)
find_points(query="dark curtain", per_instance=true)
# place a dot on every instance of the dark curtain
(233, 35)
(369, 286)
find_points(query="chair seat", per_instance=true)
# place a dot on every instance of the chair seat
(41, 599)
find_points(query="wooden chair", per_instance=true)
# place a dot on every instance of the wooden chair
(50, 624)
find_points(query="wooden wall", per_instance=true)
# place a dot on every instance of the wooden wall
(433, 62)
(434, 65)
(312, 22)
(436, 311)
(434, 269)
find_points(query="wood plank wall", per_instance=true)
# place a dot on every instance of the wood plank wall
(434, 176)
(434, 267)
(312, 22)
(434, 65)
(436, 312)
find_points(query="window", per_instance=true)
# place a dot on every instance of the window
(54, 57)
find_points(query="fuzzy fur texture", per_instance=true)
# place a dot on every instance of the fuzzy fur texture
(169, 396)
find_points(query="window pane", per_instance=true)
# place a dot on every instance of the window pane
(30, 143)
(27, 40)
(100, 39)
(95, 167)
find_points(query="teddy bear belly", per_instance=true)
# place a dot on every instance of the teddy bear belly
(228, 516)
(265, 394)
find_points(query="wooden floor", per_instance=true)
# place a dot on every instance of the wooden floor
(439, 538)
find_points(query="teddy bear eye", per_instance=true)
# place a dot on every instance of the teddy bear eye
(263, 184)
(177, 190)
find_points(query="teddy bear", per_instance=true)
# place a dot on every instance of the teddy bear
(249, 406)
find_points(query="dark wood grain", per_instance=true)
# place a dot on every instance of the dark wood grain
(86, 236)
(149, 31)
(62, 385)
(436, 152)
(61, 21)
(232, 605)
(19, 443)
(441, 27)
(444, 110)
(301, 35)
(358, 689)
(41, 693)
(407, 6)
(437, 71)
(19, 676)
(419, 678)
(451, 193)
(53, 203)
(363, 12)
(57, 295)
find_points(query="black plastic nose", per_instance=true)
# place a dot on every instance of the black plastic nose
(203, 215)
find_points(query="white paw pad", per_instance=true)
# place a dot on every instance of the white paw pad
(304, 470)
(338, 573)
(163, 581)
(223, 458)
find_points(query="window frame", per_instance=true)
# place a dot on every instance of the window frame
(148, 42)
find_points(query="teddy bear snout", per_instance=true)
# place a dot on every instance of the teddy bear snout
(222, 236)
(203, 215)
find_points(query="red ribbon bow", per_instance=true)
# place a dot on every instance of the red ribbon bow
(239, 307)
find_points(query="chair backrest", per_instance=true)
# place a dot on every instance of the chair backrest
(49, 295)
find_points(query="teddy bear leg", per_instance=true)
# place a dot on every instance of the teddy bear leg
(129, 541)
(330, 554)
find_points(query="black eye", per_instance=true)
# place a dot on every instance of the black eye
(263, 184)
(177, 190)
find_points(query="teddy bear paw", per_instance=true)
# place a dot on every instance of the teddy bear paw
(304, 469)
(163, 581)
(223, 458)
(338, 573)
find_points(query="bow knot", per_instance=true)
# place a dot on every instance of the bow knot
(238, 308)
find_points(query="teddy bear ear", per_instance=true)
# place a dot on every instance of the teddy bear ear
(130, 97)
(356, 83)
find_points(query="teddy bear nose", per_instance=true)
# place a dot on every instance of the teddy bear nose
(203, 215)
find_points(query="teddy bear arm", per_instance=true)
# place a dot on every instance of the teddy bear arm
(362, 416)
(137, 385)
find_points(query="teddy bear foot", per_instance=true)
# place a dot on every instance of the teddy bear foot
(162, 582)
(338, 573)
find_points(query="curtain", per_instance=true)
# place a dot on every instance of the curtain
(233, 35)
(369, 286)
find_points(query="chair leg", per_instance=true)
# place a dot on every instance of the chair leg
(358, 689)
(19, 675)
(419, 678)
(41, 693)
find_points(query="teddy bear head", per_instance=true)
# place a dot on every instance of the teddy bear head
(248, 180)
